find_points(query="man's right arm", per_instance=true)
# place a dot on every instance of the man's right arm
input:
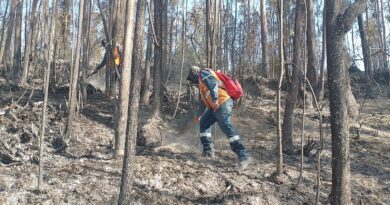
(101, 65)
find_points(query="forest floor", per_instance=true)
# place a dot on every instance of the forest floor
(175, 172)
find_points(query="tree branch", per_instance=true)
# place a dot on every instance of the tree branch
(346, 19)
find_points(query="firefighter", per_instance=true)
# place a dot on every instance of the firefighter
(216, 106)
(117, 58)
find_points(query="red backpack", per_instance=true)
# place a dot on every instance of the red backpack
(232, 86)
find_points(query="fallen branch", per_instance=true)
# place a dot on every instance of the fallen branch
(20, 98)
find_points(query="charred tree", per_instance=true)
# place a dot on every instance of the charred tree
(27, 51)
(366, 55)
(158, 58)
(311, 46)
(338, 22)
(111, 69)
(264, 40)
(207, 34)
(17, 57)
(321, 84)
(4, 22)
(145, 89)
(7, 56)
(86, 45)
(279, 147)
(294, 85)
(127, 173)
(384, 52)
(75, 74)
(121, 125)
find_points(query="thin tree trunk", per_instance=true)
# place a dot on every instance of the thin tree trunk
(158, 56)
(107, 34)
(168, 67)
(323, 58)
(145, 90)
(114, 33)
(233, 47)
(366, 56)
(214, 35)
(293, 89)
(121, 126)
(29, 44)
(53, 77)
(183, 43)
(75, 74)
(17, 57)
(226, 38)
(131, 137)
(338, 22)
(86, 42)
(264, 40)
(165, 47)
(51, 33)
(384, 52)
(311, 46)
(7, 56)
(279, 165)
(207, 35)
(4, 23)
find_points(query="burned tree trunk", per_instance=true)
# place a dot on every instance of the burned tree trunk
(321, 84)
(294, 85)
(29, 44)
(311, 46)
(366, 55)
(121, 125)
(384, 52)
(264, 40)
(145, 89)
(7, 56)
(75, 75)
(17, 57)
(134, 97)
(338, 22)
(4, 22)
(158, 58)
(114, 32)
(86, 45)
(208, 35)
(279, 147)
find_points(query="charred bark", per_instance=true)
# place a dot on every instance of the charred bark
(128, 66)
(294, 85)
(338, 22)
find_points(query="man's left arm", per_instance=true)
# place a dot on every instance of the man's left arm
(212, 85)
